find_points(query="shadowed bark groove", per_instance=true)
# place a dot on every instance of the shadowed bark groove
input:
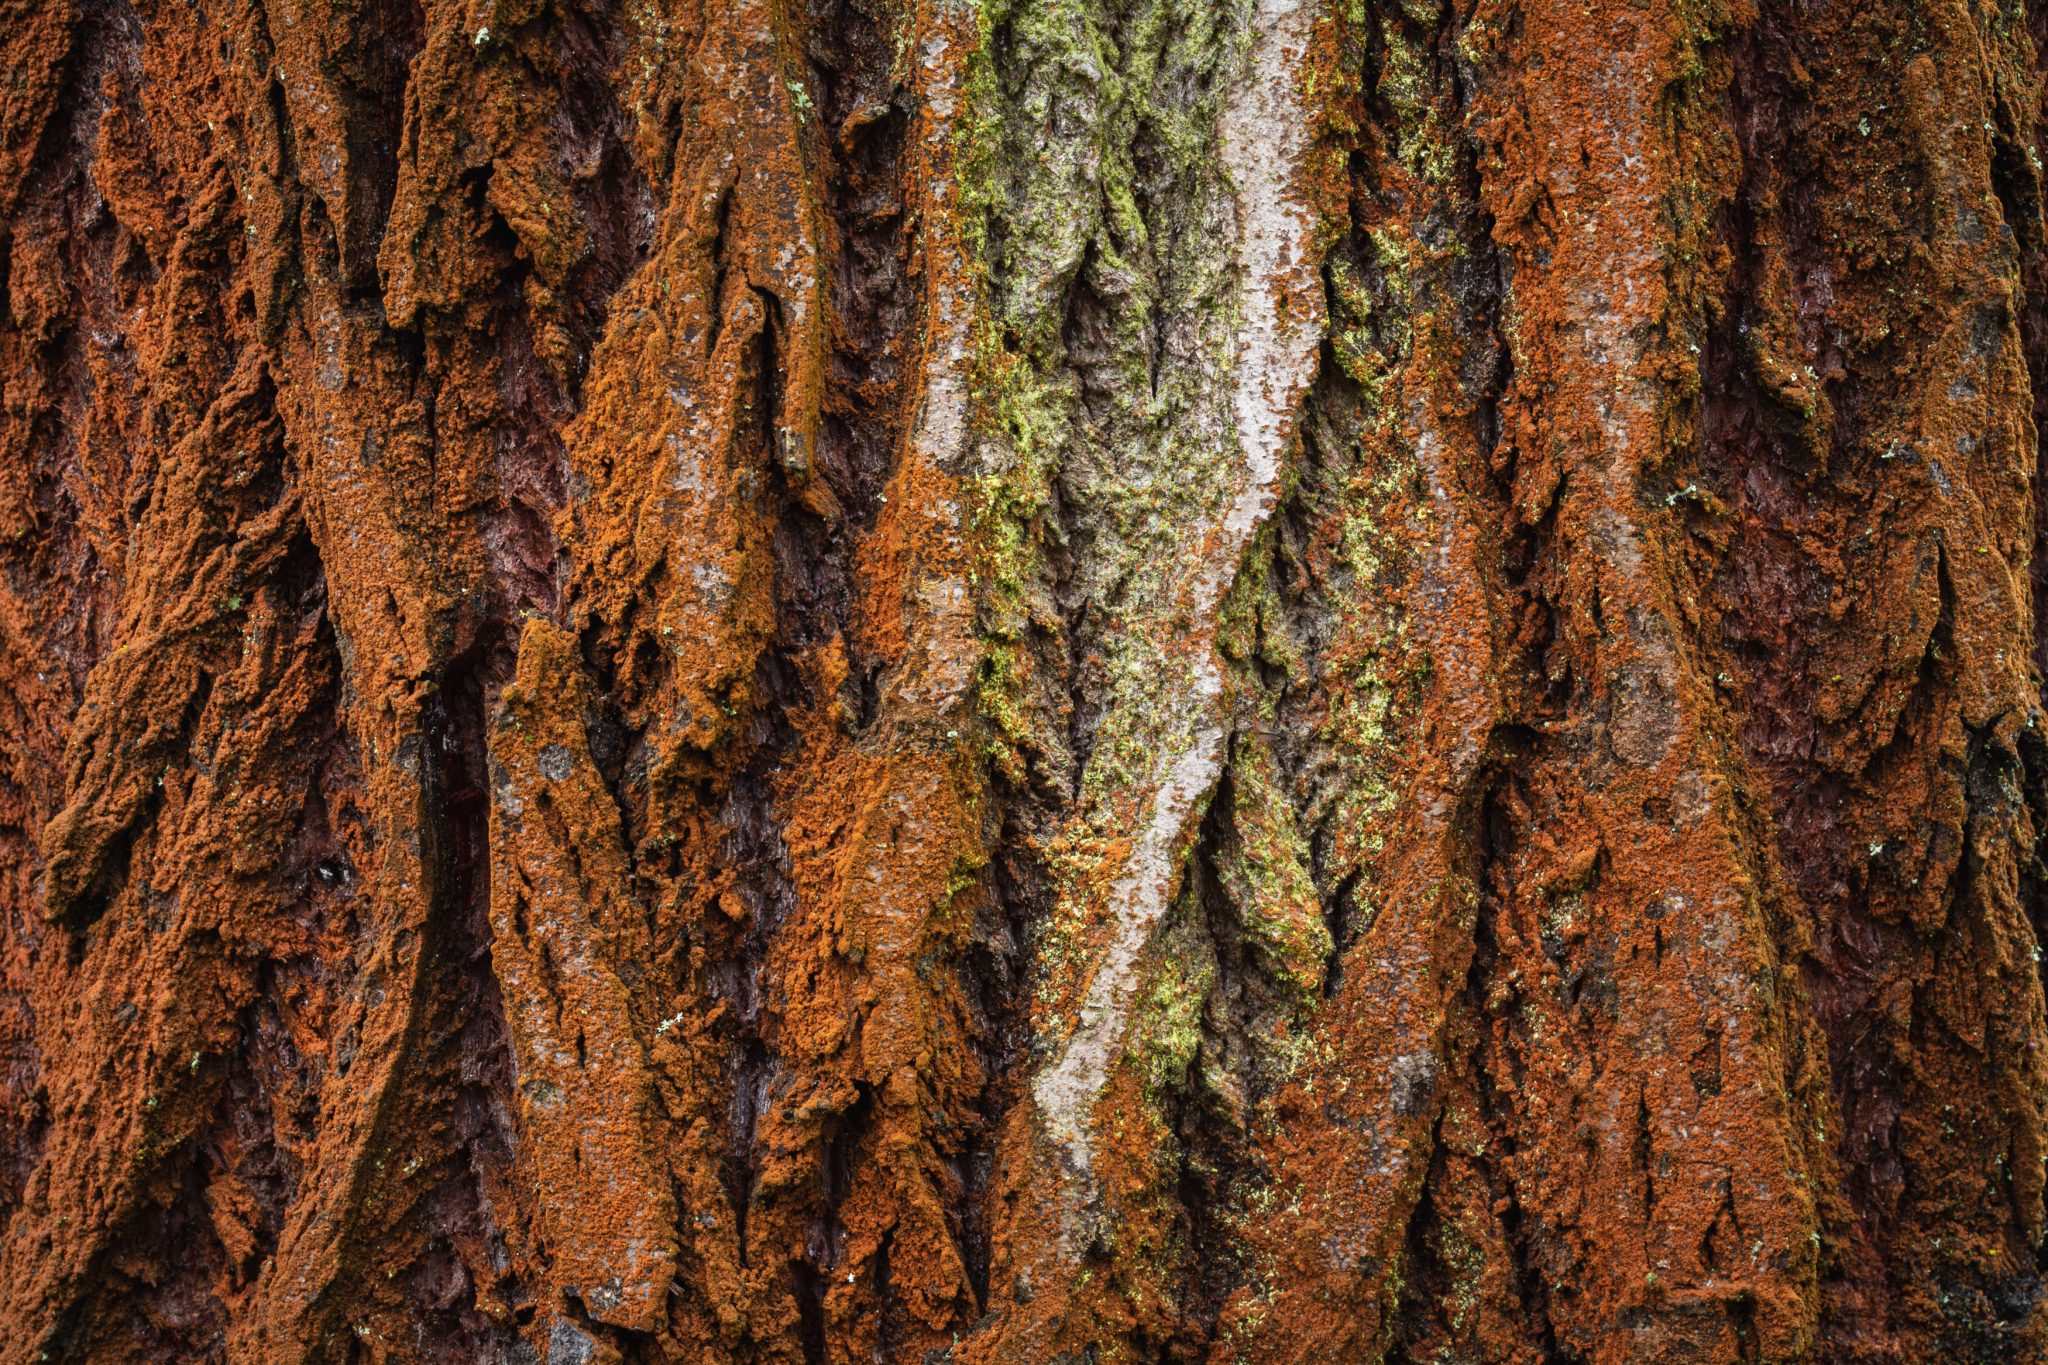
(995, 681)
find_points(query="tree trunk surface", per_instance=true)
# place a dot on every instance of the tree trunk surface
(981, 681)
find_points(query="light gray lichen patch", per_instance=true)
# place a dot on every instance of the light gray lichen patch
(1175, 711)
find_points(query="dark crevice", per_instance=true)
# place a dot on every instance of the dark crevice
(468, 1051)
(807, 1286)
(1490, 993)
(994, 977)
(1341, 921)
(372, 80)
(1211, 1109)
(1427, 1283)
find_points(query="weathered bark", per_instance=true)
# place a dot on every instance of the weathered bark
(1022, 680)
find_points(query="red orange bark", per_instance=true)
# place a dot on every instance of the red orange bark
(1021, 681)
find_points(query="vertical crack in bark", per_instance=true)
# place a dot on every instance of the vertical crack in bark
(461, 1273)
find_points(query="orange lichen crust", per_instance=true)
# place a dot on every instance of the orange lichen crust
(1022, 681)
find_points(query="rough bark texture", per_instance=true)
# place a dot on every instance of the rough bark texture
(999, 681)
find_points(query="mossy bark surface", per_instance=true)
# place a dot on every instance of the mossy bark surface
(991, 681)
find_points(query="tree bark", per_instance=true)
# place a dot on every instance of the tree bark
(999, 681)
